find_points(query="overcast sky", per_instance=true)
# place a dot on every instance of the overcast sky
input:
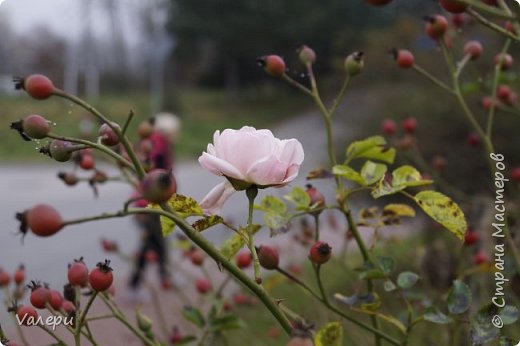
(64, 17)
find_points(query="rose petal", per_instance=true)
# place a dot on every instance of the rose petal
(219, 167)
(290, 151)
(268, 171)
(215, 199)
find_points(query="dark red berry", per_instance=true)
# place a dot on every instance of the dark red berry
(473, 139)
(5, 279)
(268, 257)
(458, 20)
(19, 275)
(515, 174)
(320, 252)
(316, 197)
(436, 26)
(404, 58)
(504, 94)
(487, 102)
(78, 273)
(409, 125)
(439, 163)
(471, 237)
(40, 296)
(473, 49)
(197, 257)
(505, 61)
(43, 220)
(87, 162)
(175, 336)
(273, 65)
(389, 127)
(158, 186)
(480, 258)
(61, 151)
(203, 286)
(37, 86)
(108, 136)
(36, 126)
(26, 314)
(453, 6)
(68, 307)
(69, 178)
(244, 259)
(101, 277)
(109, 245)
(56, 300)
(239, 299)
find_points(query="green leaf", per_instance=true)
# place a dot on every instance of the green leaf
(348, 173)
(231, 246)
(372, 148)
(299, 197)
(272, 204)
(443, 210)
(387, 265)
(398, 210)
(407, 280)
(226, 322)
(276, 221)
(372, 172)
(207, 222)
(194, 316)
(432, 314)
(183, 206)
(330, 334)
(459, 298)
(482, 330)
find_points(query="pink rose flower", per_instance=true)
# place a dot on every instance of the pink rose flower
(248, 157)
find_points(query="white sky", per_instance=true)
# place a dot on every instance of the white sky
(64, 17)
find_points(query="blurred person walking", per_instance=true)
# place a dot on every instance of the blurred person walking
(159, 135)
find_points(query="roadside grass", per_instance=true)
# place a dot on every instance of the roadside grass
(202, 111)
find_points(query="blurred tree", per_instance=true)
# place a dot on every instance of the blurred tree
(227, 35)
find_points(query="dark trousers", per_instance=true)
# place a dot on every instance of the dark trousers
(153, 240)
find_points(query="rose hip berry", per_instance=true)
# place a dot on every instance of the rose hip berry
(19, 275)
(101, 277)
(436, 26)
(158, 186)
(61, 151)
(515, 174)
(306, 54)
(316, 197)
(5, 279)
(26, 313)
(268, 257)
(68, 307)
(354, 63)
(145, 129)
(108, 136)
(36, 126)
(320, 252)
(389, 127)
(78, 273)
(273, 65)
(453, 6)
(480, 258)
(86, 161)
(458, 20)
(473, 139)
(37, 86)
(56, 300)
(486, 102)
(40, 295)
(70, 179)
(197, 257)
(505, 61)
(439, 163)
(404, 58)
(203, 286)
(471, 237)
(244, 259)
(473, 49)
(43, 220)
(409, 125)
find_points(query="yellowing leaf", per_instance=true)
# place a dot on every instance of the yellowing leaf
(402, 177)
(399, 210)
(372, 172)
(330, 334)
(207, 222)
(183, 206)
(443, 210)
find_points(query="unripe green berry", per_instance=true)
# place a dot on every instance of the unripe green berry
(354, 63)
(306, 54)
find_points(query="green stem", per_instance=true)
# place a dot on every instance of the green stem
(339, 98)
(317, 271)
(97, 146)
(432, 78)
(316, 226)
(127, 122)
(251, 193)
(81, 319)
(496, 79)
(52, 334)
(486, 22)
(296, 85)
(159, 311)
(488, 9)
